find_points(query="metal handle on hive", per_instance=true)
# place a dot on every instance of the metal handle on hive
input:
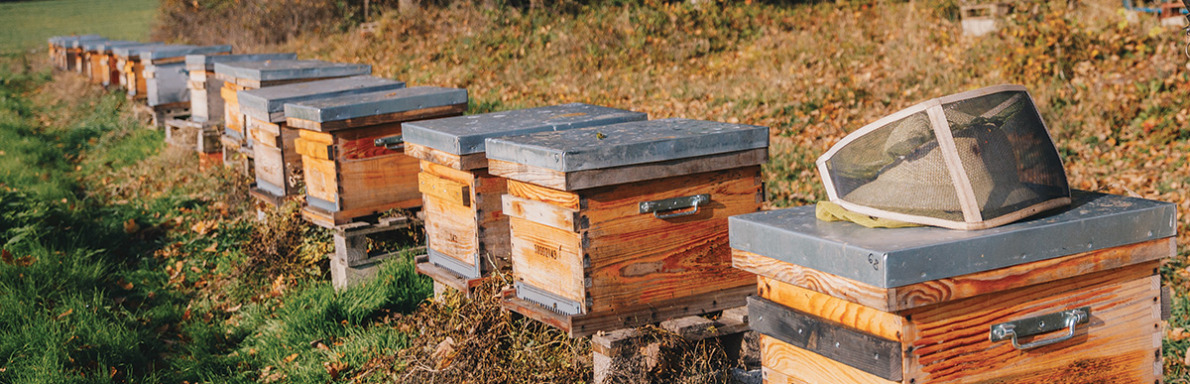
(1013, 330)
(658, 206)
(396, 142)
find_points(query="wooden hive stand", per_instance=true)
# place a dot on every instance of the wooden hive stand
(352, 154)
(623, 225)
(277, 164)
(352, 263)
(466, 228)
(250, 75)
(1072, 297)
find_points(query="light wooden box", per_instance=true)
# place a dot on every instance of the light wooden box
(250, 75)
(466, 228)
(624, 225)
(278, 166)
(840, 303)
(206, 96)
(353, 162)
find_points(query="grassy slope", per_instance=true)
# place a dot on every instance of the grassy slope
(28, 24)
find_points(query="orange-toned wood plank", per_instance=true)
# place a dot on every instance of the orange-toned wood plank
(465, 162)
(451, 229)
(796, 365)
(548, 258)
(826, 307)
(541, 213)
(322, 178)
(569, 200)
(310, 149)
(950, 341)
(449, 191)
(379, 183)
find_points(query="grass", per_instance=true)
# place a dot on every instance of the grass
(27, 24)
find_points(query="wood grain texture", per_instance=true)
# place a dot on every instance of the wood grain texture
(314, 149)
(568, 200)
(449, 191)
(548, 258)
(451, 229)
(948, 289)
(855, 316)
(638, 258)
(541, 213)
(571, 181)
(389, 118)
(861, 350)
(796, 365)
(472, 161)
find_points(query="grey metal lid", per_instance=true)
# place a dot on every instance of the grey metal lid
(62, 41)
(889, 258)
(268, 104)
(464, 135)
(81, 42)
(106, 47)
(374, 103)
(207, 62)
(96, 45)
(273, 70)
(138, 50)
(179, 51)
(626, 144)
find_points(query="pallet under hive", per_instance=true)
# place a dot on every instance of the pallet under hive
(277, 164)
(1072, 297)
(625, 225)
(353, 160)
(466, 230)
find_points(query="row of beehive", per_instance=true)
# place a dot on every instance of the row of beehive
(611, 221)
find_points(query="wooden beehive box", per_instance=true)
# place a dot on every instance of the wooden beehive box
(278, 166)
(81, 55)
(1079, 288)
(72, 51)
(97, 56)
(132, 68)
(466, 229)
(249, 75)
(206, 100)
(624, 225)
(166, 77)
(109, 64)
(354, 164)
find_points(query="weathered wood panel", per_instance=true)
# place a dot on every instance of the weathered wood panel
(949, 342)
(861, 350)
(833, 309)
(451, 229)
(466, 162)
(541, 213)
(796, 365)
(568, 200)
(949, 289)
(548, 258)
(448, 191)
(571, 181)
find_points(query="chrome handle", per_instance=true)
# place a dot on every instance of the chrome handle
(658, 206)
(1069, 320)
(395, 142)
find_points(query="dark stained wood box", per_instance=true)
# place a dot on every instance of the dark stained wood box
(840, 303)
(624, 225)
(278, 166)
(352, 159)
(466, 228)
(250, 75)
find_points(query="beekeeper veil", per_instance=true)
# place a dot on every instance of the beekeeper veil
(973, 160)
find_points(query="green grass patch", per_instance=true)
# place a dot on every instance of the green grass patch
(27, 24)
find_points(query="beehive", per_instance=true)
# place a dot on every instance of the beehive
(624, 225)
(81, 55)
(353, 162)
(109, 65)
(97, 57)
(132, 68)
(1070, 297)
(66, 51)
(166, 76)
(278, 166)
(206, 100)
(249, 75)
(466, 229)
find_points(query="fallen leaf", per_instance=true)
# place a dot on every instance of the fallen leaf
(112, 373)
(290, 358)
(334, 368)
(64, 314)
(6, 256)
(444, 353)
(131, 227)
(233, 309)
(127, 286)
(25, 261)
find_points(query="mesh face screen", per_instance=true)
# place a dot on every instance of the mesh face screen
(972, 160)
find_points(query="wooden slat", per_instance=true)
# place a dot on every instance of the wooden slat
(313, 150)
(568, 200)
(466, 162)
(797, 365)
(548, 258)
(881, 324)
(863, 351)
(447, 190)
(949, 289)
(269, 165)
(1120, 344)
(322, 179)
(389, 118)
(571, 181)
(541, 213)
(378, 184)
